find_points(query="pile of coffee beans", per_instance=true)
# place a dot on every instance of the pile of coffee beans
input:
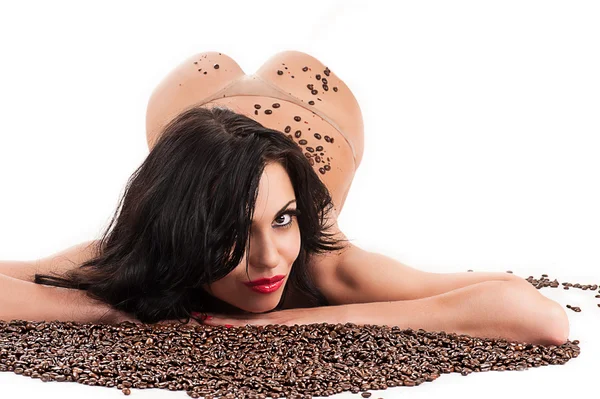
(274, 361)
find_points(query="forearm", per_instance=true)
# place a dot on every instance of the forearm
(491, 309)
(22, 300)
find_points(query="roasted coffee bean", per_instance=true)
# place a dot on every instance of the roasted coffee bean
(314, 92)
(310, 149)
(297, 118)
(335, 89)
(255, 112)
(311, 102)
(322, 171)
(288, 129)
(310, 86)
(319, 148)
(257, 106)
(317, 136)
(268, 111)
(326, 71)
(298, 133)
(279, 72)
(324, 81)
(327, 167)
(318, 76)
(305, 69)
(276, 105)
(303, 142)
(300, 361)
(216, 66)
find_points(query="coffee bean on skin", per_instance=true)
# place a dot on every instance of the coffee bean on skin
(255, 112)
(326, 71)
(279, 72)
(322, 171)
(288, 129)
(317, 136)
(310, 86)
(305, 69)
(276, 105)
(216, 66)
(310, 149)
(297, 118)
(335, 88)
(298, 133)
(319, 148)
(324, 81)
(303, 142)
(311, 102)
(314, 92)
(318, 77)
(327, 167)
(268, 111)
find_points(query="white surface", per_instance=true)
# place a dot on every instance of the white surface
(481, 146)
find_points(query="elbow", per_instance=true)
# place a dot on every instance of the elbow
(558, 329)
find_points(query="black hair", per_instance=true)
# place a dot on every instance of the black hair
(185, 216)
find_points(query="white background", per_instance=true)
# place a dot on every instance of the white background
(481, 119)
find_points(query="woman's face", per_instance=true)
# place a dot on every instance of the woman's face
(274, 245)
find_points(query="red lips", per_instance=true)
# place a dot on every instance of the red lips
(265, 281)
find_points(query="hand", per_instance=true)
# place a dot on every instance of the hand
(288, 317)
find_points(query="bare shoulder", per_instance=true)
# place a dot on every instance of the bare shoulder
(68, 258)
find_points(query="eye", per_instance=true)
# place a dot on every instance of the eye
(290, 214)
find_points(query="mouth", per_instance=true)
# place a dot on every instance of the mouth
(266, 286)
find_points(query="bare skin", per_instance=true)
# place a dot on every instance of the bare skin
(342, 276)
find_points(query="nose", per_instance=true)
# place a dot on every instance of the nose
(264, 252)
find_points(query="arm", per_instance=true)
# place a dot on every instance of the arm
(59, 262)
(491, 309)
(22, 300)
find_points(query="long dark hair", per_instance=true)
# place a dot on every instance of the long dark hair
(186, 207)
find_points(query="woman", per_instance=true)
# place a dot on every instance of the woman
(282, 143)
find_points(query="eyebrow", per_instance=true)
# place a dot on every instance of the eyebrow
(279, 212)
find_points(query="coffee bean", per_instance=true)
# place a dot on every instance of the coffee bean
(216, 66)
(255, 112)
(276, 105)
(326, 71)
(311, 161)
(268, 111)
(257, 106)
(318, 77)
(279, 72)
(310, 86)
(310, 149)
(298, 133)
(331, 140)
(366, 394)
(335, 88)
(305, 69)
(319, 148)
(322, 171)
(311, 102)
(288, 129)
(297, 118)
(214, 361)
(314, 92)
(318, 158)
(303, 142)
(325, 87)
(204, 72)
(317, 136)
(327, 167)
(324, 81)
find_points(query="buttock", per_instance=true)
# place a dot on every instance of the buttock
(303, 90)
